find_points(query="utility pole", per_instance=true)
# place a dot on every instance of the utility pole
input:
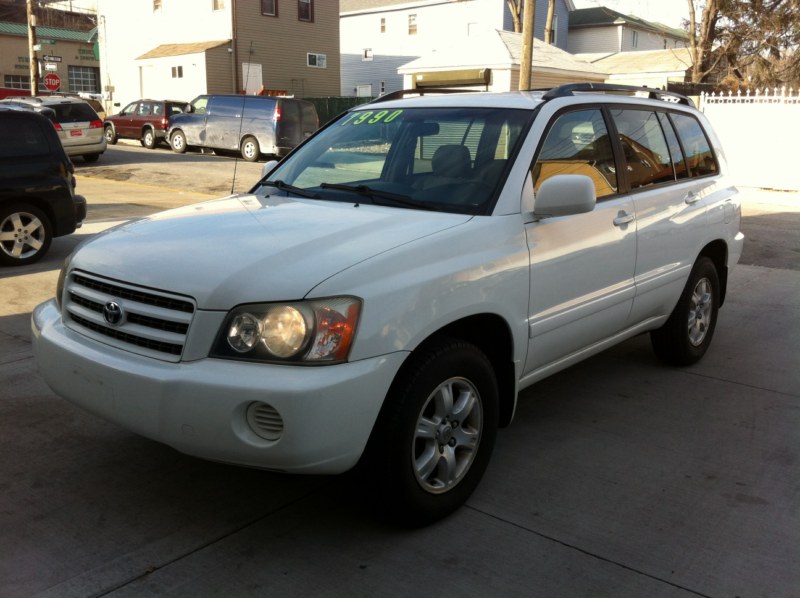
(34, 60)
(528, 12)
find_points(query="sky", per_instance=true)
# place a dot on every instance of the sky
(668, 12)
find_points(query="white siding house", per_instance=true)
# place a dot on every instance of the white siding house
(604, 30)
(379, 36)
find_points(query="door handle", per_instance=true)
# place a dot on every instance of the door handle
(623, 218)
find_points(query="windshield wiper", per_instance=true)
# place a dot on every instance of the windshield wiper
(291, 189)
(363, 190)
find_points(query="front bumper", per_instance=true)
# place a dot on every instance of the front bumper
(200, 407)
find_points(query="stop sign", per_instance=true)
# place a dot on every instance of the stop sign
(52, 81)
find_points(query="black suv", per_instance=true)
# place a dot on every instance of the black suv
(37, 187)
(145, 120)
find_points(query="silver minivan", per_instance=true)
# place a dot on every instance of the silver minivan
(253, 125)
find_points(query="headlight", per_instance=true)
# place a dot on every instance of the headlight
(62, 278)
(318, 331)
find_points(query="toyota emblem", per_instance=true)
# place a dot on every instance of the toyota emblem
(112, 312)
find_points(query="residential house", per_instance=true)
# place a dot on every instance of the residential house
(491, 61)
(380, 36)
(604, 30)
(652, 68)
(288, 47)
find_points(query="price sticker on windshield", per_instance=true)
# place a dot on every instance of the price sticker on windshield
(371, 117)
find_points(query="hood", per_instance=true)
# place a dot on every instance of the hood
(248, 248)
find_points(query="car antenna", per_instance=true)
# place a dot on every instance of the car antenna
(241, 121)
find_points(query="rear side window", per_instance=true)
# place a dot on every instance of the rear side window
(696, 147)
(647, 155)
(675, 151)
(21, 138)
(578, 143)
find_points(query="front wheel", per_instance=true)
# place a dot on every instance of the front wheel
(250, 149)
(148, 138)
(178, 142)
(25, 234)
(435, 437)
(686, 335)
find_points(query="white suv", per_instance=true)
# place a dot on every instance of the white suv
(384, 293)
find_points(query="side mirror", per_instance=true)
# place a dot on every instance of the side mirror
(268, 167)
(564, 195)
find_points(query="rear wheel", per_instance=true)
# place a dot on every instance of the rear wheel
(25, 234)
(148, 138)
(111, 136)
(91, 157)
(250, 149)
(434, 439)
(686, 335)
(178, 141)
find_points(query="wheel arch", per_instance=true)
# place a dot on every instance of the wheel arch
(39, 203)
(492, 335)
(717, 252)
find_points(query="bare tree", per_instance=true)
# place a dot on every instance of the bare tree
(515, 6)
(703, 37)
(548, 24)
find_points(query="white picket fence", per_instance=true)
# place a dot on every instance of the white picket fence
(760, 132)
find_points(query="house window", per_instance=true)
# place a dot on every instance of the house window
(383, 87)
(269, 8)
(366, 55)
(412, 24)
(156, 5)
(554, 32)
(634, 39)
(317, 61)
(217, 4)
(16, 81)
(383, 24)
(305, 10)
(177, 72)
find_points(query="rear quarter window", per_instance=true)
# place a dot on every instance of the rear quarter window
(699, 154)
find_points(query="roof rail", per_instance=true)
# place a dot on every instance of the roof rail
(420, 91)
(653, 94)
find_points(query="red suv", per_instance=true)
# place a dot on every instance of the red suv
(146, 120)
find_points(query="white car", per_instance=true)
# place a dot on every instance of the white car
(384, 293)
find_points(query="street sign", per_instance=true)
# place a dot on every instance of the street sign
(48, 58)
(50, 66)
(52, 81)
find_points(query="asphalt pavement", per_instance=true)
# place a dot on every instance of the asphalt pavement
(619, 476)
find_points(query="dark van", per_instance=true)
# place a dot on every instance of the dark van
(252, 125)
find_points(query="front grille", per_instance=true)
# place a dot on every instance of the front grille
(144, 321)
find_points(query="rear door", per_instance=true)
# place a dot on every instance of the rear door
(582, 266)
(670, 213)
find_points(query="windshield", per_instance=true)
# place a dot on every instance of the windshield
(447, 159)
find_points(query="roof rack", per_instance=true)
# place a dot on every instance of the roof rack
(653, 94)
(420, 91)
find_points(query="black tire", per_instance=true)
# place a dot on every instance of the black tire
(686, 335)
(177, 141)
(420, 432)
(148, 139)
(111, 136)
(25, 234)
(250, 149)
(91, 157)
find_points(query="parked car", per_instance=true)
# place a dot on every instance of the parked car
(37, 187)
(382, 295)
(145, 120)
(79, 127)
(251, 125)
